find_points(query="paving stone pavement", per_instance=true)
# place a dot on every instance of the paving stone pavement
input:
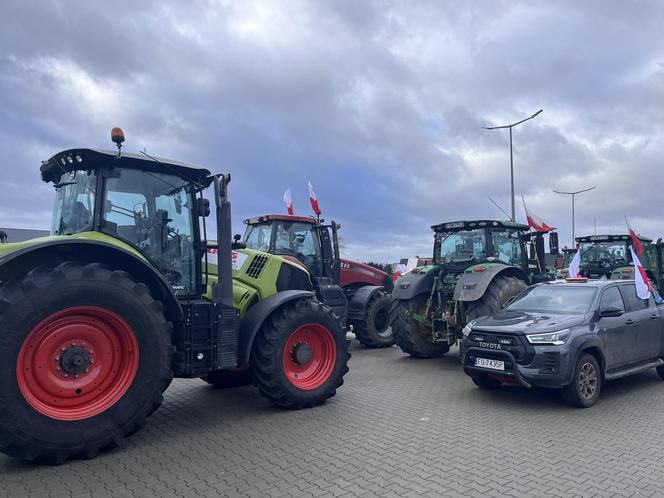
(398, 427)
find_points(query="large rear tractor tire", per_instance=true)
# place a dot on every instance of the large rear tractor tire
(85, 355)
(223, 379)
(300, 356)
(499, 291)
(411, 336)
(375, 330)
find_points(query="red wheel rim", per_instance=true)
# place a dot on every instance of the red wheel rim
(309, 356)
(77, 363)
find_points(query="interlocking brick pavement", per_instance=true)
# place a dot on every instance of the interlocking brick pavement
(398, 427)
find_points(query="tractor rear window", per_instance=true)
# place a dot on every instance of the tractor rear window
(466, 245)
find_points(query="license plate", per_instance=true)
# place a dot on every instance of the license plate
(493, 364)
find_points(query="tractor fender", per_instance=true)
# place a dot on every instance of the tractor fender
(357, 306)
(411, 284)
(472, 284)
(255, 316)
(53, 252)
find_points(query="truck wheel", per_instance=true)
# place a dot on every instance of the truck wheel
(85, 354)
(229, 378)
(484, 381)
(499, 291)
(375, 330)
(660, 372)
(300, 356)
(411, 336)
(586, 383)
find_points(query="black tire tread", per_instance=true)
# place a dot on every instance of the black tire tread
(267, 375)
(364, 329)
(499, 291)
(407, 334)
(41, 277)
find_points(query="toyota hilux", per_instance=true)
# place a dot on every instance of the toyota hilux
(570, 335)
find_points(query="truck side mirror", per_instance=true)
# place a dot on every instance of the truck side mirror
(610, 311)
(553, 243)
(203, 206)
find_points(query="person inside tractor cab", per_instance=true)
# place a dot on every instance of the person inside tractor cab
(506, 246)
(298, 240)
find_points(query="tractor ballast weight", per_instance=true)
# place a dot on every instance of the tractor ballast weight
(477, 267)
(97, 319)
(358, 293)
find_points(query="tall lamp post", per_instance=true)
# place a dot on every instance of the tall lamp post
(510, 126)
(573, 194)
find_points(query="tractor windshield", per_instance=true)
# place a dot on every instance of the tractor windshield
(461, 246)
(259, 237)
(74, 203)
(603, 254)
(153, 212)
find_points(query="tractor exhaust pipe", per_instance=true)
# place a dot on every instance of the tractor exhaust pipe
(223, 289)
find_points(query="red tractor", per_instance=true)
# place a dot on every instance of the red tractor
(359, 294)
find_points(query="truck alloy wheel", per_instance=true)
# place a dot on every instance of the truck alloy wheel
(586, 383)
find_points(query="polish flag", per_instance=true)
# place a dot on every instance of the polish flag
(288, 201)
(635, 239)
(314, 200)
(642, 281)
(573, 267)
(536, 222)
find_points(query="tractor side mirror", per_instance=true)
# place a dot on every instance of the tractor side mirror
(203, 207)
(553, 243)
(236, 242)
(237, 237)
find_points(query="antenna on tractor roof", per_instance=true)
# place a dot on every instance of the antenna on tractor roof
(117, 135)
(498, 206)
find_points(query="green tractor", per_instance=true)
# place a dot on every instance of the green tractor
(478, 266)
(97, 319)
(609, 256)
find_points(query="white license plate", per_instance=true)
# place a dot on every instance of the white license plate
(493, 364)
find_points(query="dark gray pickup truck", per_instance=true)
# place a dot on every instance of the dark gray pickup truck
(567, 335)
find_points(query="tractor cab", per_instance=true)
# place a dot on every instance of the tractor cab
(150, 204)
(302, 239)
(461, 244)
(602, 255)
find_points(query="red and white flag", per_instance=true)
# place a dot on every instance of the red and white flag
(635, 239)
(314, 200)
(536, 222)
(288, 201)
(573, 267)
(642, 281)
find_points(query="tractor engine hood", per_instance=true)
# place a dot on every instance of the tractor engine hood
(353, 272)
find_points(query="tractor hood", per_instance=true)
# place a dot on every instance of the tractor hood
(353, 273)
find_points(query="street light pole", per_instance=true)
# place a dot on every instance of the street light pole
(510, 126)
(573, 194)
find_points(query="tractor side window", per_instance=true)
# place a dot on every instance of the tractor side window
(74, 203)
(258, 237)
(506, 246)
(152, 212)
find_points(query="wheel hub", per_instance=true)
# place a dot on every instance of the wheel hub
(75, 359)
(302, 353)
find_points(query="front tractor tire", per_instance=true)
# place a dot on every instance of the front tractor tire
(300, 355)
(499, 291)
(412, 336)
(85, 355)
(375, 331)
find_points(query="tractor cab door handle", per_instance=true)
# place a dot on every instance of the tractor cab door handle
(629, 321)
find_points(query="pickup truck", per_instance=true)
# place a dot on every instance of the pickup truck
(570, 335)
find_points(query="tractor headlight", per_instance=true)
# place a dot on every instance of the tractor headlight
(555, 338)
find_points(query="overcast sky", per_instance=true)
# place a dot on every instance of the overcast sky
(380, 104)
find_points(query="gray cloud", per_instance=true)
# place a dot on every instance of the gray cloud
(379, 103)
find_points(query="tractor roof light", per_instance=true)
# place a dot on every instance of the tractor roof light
(117, 135)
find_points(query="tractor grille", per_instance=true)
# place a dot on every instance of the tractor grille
(257, 265)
